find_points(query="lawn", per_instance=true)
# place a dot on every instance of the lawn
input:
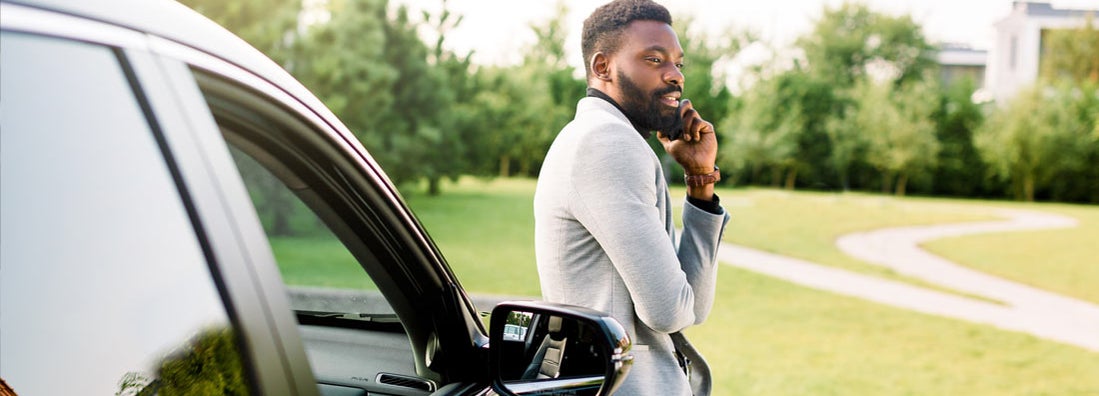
(1065, 261)
(770, 337)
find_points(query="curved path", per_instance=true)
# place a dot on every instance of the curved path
(1026, 309)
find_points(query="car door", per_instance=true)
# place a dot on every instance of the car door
(389, 318)
(113, 279)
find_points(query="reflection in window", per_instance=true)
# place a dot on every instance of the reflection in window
(208, 364)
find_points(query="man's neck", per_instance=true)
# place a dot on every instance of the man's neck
(596, 93)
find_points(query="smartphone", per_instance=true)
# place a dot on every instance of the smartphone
(676, 133)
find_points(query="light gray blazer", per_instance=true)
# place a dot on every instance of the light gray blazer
(605, 239)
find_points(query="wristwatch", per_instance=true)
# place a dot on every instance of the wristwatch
(704, 179)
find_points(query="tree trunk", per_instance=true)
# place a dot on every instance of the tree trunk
(280, 207)
(433, 188)
(886, 182)
(791, 178)
(1028, 187)
(776, 176)
(902, 182)
(505, 166)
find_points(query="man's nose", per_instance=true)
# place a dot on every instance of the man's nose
(674, 76)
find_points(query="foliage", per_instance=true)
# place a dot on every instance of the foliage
(428, 114)
(209, 364)
(759, 136)
(960, 171)
(1042, 134)
(899, 131)
(851, 42)
(852, 45)
(266, 24)
(1072, 54)
(704, 79)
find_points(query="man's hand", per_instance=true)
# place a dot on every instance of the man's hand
(696, 150)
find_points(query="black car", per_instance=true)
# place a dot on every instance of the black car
(141, 148)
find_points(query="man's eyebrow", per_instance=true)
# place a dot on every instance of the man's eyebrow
(662, 49)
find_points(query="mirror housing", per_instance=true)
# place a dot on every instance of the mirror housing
(545, 348)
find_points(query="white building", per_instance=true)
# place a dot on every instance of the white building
(1015, 57)
(958, 62)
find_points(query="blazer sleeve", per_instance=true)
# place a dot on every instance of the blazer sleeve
(697, 254)
(615, 198)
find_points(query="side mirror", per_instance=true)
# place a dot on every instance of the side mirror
(544, 348)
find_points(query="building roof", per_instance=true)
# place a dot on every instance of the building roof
(1046, 9)
(960, 55)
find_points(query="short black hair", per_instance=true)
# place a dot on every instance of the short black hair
(603, 28)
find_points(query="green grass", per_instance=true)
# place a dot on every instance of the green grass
(1064, 261)
(770, 337)
(485, 229)
(318, 261)
(806, 225)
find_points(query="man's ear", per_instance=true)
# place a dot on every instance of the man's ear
(600, 66)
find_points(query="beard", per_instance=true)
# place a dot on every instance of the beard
(645, 110)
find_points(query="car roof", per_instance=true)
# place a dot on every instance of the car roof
(176, 22)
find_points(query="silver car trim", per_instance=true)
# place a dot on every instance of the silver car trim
(30, 20)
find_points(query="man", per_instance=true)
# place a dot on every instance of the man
(604, 233)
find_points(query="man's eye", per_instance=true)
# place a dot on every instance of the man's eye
(678, 65)
(653, 59)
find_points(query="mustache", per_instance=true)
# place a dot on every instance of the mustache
(674, 88)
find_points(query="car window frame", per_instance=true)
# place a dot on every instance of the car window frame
(453, 331)
(362, 213)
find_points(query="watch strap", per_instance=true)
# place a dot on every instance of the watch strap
(703, 179)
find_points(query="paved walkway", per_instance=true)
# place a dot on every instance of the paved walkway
(1025, 309)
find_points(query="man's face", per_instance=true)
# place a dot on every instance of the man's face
(649, 81)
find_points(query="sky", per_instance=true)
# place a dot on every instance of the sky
(496, 30)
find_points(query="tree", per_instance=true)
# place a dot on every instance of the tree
(266, 24)
(521, 108)
(845, 140)
(1072, 54)
(899, 130)
(1039, 135)
(516, 120)
(373, 71)
(457, 133)
(849, 45)
(761, 136)
(849, 42)
(704, 79)
(959, 165)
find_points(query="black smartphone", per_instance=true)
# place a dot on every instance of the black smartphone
(678, 131)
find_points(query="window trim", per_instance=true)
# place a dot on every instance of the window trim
(270, 346)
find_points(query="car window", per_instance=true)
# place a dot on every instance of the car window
(287, 172)
(331, 241)
(105, 288)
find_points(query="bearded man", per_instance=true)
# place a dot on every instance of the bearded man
(604, 233)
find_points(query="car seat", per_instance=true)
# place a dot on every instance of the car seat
(546, 362)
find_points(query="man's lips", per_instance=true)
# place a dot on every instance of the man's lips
(670, 97)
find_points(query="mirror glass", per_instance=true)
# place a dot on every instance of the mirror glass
(546, 352)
